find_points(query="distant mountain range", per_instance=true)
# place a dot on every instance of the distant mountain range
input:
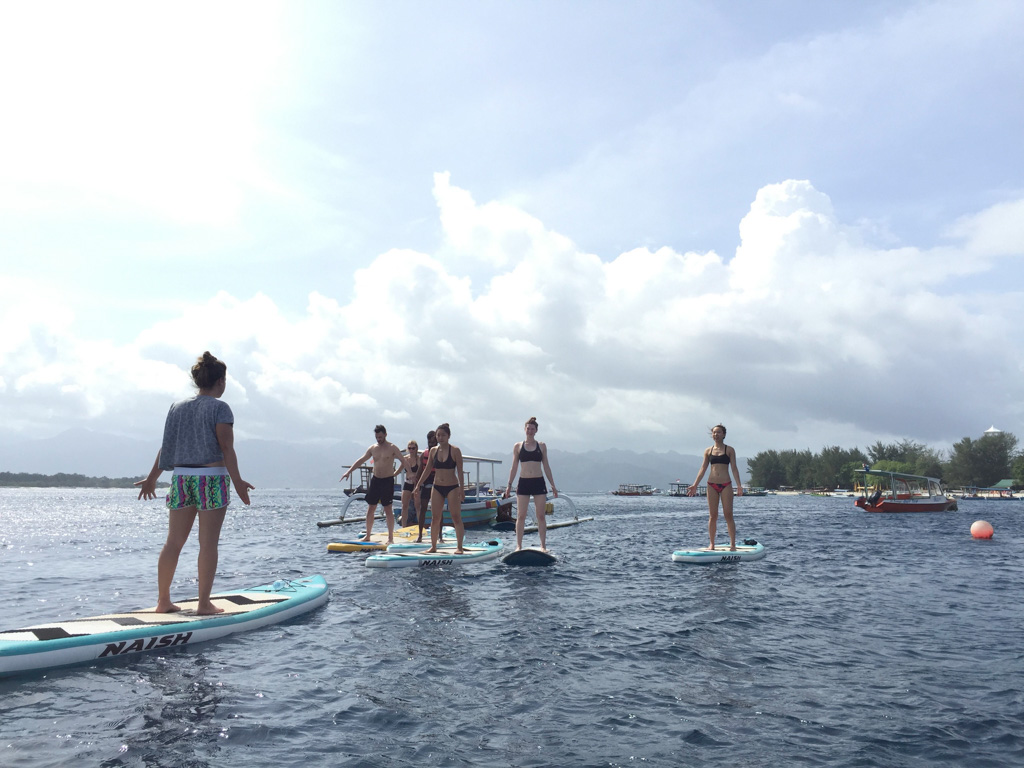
(280, 464)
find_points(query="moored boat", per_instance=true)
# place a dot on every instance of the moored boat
(901, 492)
(482, 504)
(999, 492)
(633, 489)
(680, 489)
(475, 511)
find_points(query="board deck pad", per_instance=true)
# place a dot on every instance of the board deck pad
(529, 556)
(241, 602)
(75, 640)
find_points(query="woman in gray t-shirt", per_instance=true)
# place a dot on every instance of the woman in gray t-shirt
(198, 446)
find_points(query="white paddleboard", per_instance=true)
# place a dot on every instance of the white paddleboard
(400, 556)
(748, 550)
(73, 641)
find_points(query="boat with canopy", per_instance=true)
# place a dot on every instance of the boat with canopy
(900, 492)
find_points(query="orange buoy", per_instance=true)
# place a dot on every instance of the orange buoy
(981, 530)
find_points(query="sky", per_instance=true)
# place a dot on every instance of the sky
(633, 221)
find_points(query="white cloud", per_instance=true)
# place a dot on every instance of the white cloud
(806, 333)
(996, 231)
(906, 109)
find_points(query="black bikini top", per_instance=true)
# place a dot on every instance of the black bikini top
(723, 459)
(448, 463)
(534, 455)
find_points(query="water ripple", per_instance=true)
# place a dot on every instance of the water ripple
(859, 641)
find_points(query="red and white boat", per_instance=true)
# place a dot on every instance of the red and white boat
(900, 492)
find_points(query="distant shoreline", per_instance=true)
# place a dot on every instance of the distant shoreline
(63, 480)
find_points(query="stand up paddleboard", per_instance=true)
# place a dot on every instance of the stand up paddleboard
(402, 556)
(378, 540)
(73, 641)
(529, 556)
(448, 540)
(748, 550)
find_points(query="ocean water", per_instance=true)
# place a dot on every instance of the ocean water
(860, 640)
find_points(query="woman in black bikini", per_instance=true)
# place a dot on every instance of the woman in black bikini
(720, 457)
(530, 460)
(447, 485)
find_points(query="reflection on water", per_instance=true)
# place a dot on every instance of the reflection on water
(181, 711)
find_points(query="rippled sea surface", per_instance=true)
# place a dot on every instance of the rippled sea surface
(861, 640)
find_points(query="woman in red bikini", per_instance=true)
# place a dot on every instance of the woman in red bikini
(720, 457)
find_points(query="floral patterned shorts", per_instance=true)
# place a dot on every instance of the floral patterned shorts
(200, 487)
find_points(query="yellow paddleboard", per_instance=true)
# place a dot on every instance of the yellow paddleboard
(378, 540)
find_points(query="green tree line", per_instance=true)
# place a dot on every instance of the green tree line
(981, 463)
(62, 480)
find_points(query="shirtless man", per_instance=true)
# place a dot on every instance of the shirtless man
(382, 484)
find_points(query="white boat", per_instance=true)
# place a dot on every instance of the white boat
(633, 489)
(482, 505)
(683, 489)
(995, 493)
